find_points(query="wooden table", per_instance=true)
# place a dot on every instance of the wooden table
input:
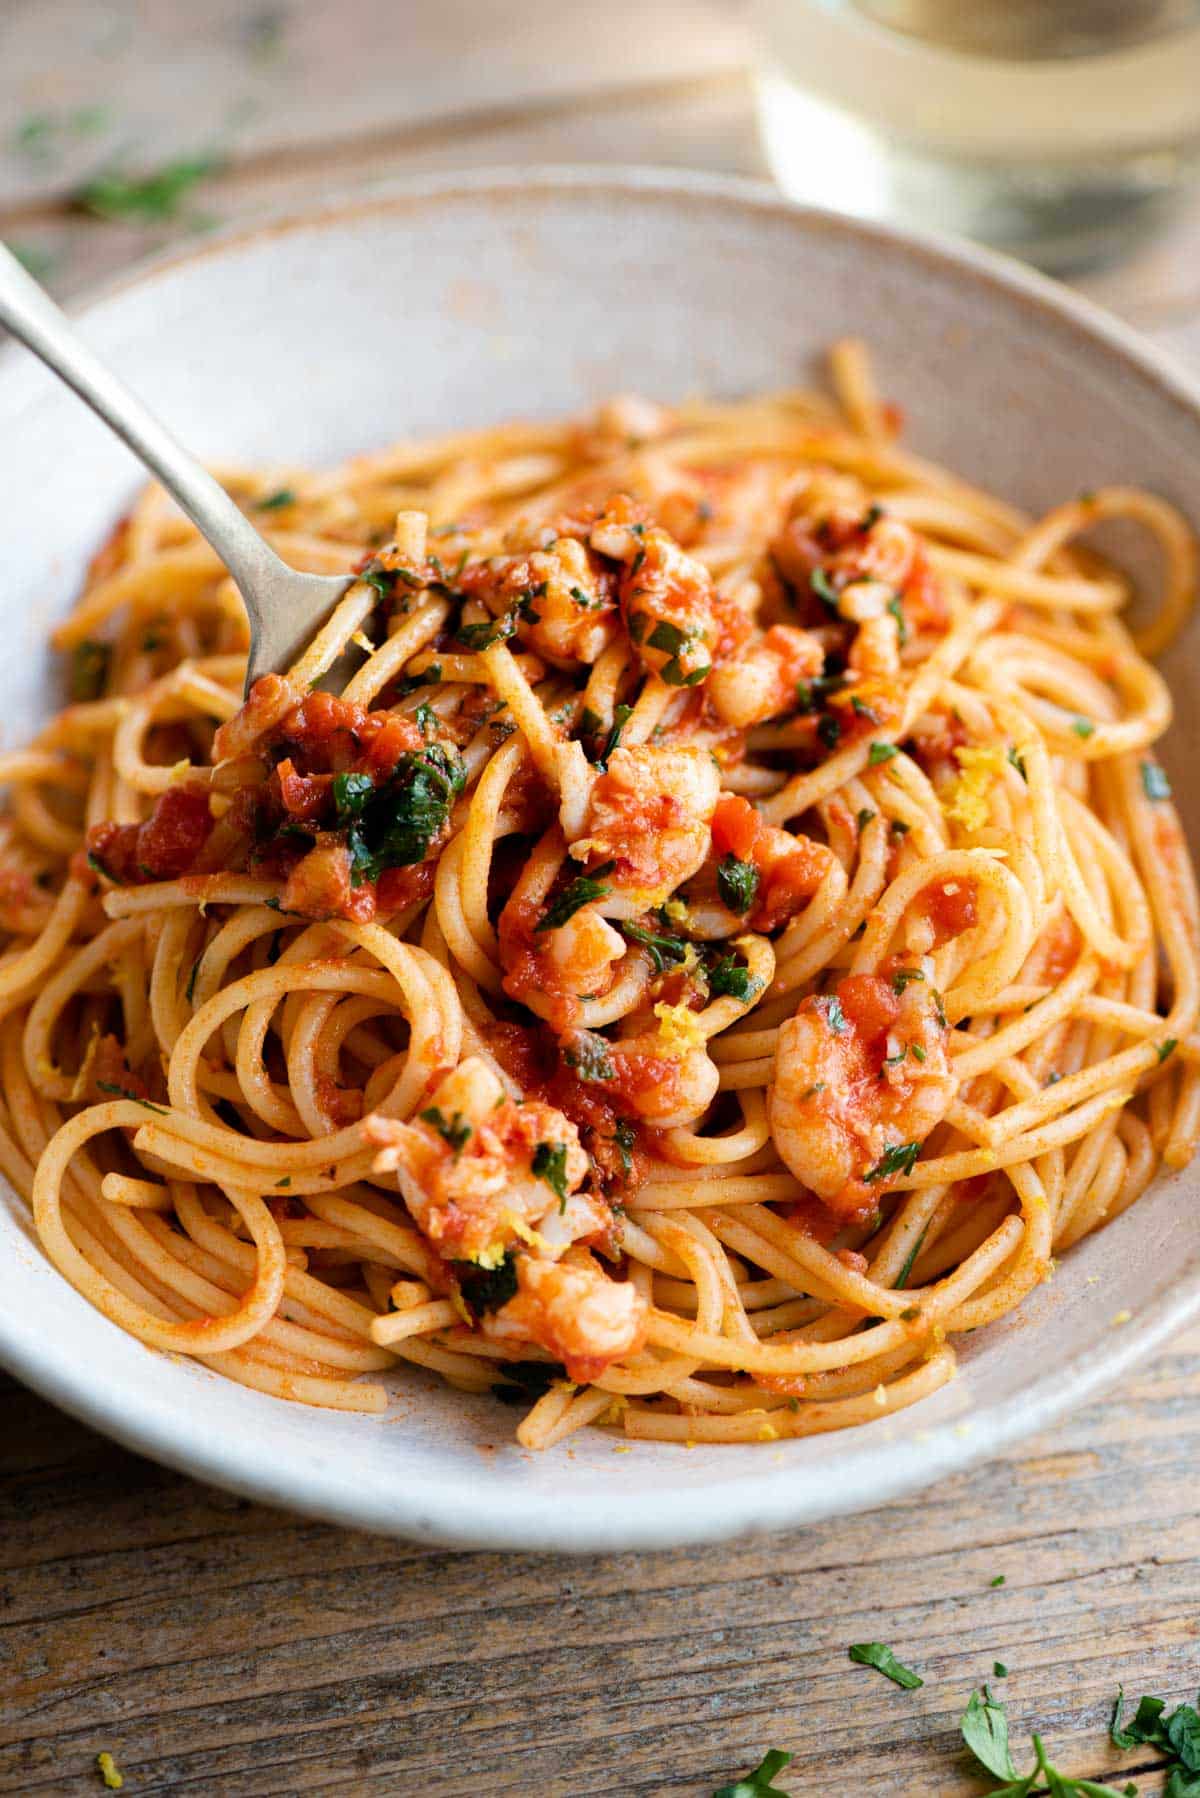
(213, 1645)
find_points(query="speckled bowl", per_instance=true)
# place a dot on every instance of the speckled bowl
(463, 302)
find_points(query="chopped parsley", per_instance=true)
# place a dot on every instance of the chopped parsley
(1018, 762)
(835, 1017)
(875, 1654)
(275, 502)
(588, 1054)
(998, 1579)
(864, 818)
(89, 670)
(621, 716)
(489, 631)
(123, 1092)
(810, 693)
(897, 1158)
(881, 752)
(550, 1164)
(737, 883)
(759, 1783)
(984, 1726)
(625, 1137)
(728, 976)
(394, 826)
(904, 977)
(1083, 727)
(999, 1670)
(663, 949)
(454, 1130)
(487, 1288)
(824, 589)
(1155, 784)
(150, 199)
(829, 730)
(896, 608)
(909, 1261)
(523, 1381)
(582, 891)
(350, 795)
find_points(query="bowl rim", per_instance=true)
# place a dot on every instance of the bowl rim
(760, 1500)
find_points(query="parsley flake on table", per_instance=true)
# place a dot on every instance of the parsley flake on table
(760, 1783)
(879, 1656)
(984, 1726)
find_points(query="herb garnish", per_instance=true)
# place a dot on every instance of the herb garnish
(491, 630)
(89, 670)
(1083, 727)
(758, 1784)
(454, 1130)
(550, 1164)
(824, 589)
(896, 608)
(275, 502)
(1155, 784)
(875, 1654)
(897, 1158)
(588, 1054)
(393, 826)
(737, 883)
(834, 1016)
(881, 752)
(984, 1726)
(123, 1092)
(904, 977)
(621, 716)
(487, 1288)
(728, 976)
(581, 891)
(150, 199)
(663, 949)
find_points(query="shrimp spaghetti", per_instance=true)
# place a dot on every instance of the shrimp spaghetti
(724, 936)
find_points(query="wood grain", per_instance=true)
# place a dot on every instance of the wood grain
(211, 1644)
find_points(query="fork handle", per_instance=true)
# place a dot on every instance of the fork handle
(32, 317)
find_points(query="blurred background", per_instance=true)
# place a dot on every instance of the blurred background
(1064, 130)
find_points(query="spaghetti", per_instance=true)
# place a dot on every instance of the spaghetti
(726, 935)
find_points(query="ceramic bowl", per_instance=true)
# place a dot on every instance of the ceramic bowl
(535, 293)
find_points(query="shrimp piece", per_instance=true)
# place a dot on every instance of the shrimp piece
(478, 1171)
(563, 599)
(675, 619)
(875, 652)
(662, 1079)
(649, 815)
(861, 1077)
(761, 682)
(575, 1311)
(583, 950)
(789, 869)
(858, 559)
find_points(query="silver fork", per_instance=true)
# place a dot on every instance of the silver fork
(286, 608)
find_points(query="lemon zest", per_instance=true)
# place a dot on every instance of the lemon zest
(968, 803)
(679, 1029)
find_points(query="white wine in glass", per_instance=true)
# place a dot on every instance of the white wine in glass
(1056, 129)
